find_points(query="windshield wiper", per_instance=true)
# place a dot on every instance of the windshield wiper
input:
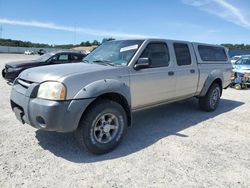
(104, 62)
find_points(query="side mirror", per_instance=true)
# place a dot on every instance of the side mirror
(142, 63)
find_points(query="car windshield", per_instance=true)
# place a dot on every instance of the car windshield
(243, 61)
(45, 57)
(235, 58)
(114, 52)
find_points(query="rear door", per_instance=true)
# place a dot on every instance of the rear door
(76, 57)
(186, 72)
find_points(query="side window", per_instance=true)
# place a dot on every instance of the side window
(182, 54)
(158, 53)
(63, 57)
(211, 53)
(76, 57)
(54, 58)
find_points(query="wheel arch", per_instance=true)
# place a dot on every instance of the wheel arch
(219, 82)
(116, 97)
(209, 82)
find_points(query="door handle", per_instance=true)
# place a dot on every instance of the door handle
(170, 73)
(192, 71)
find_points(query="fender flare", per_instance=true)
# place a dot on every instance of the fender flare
(210, 79)
(100, 87)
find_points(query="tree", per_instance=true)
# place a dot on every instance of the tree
(95, 43)
(19, 43)
(82, 44)
(87, 43)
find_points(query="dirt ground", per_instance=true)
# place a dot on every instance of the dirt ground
(174, 145)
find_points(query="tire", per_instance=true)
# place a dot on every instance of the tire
(102, 127)
(243, 86)
(3, 73)
(237, 86)
(211, 100)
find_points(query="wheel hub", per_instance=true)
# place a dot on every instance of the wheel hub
(214, 97)
(106, 128)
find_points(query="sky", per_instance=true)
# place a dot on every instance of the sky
(74, 21)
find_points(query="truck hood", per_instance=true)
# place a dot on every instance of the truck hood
(55, 72)
(242, 68)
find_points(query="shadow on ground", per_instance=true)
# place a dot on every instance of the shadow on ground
(149, 126)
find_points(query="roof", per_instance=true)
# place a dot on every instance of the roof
(65, 51)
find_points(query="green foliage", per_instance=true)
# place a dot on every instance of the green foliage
(87, 43)
(237, 46)
(65, 46)
(95, 43)
(19, 43)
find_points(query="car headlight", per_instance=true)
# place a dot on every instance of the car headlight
(52, 91)
(11, 69)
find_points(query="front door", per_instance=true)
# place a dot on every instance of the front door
(61, 58)
(155, 84)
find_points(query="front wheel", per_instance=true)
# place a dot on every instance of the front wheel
(211, 100)
(3, 73)
(102, 127)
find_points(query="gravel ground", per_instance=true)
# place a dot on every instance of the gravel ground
(174, 145)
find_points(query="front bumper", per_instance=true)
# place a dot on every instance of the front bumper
(10, 76)
(59, 116)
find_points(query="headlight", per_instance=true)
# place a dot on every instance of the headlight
(52, 91)
(11, 69)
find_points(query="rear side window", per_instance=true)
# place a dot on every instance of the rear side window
(211, 53)
(76, 57)
(158, 53)
(182, 54)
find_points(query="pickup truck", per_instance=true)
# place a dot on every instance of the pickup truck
(96, 98)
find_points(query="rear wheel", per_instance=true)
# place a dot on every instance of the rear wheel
(102, 127)
(211, 100)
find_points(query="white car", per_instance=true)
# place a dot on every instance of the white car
(29, 52)
(235, 58)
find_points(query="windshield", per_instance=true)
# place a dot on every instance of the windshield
(236, 58)
(45, 57)
(115, 52)
(243, 61)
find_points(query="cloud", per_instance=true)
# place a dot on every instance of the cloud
(50, 25)
(222, 9)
